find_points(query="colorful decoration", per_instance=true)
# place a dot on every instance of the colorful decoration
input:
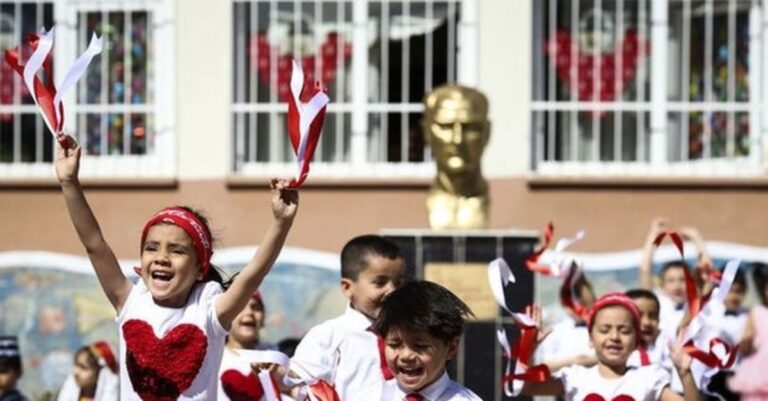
(46, 95)
(577, 68)
(262, 52)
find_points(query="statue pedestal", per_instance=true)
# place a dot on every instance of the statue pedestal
(479, 364)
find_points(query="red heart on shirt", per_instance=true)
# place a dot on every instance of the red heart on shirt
(239, 387)
(161, 369)
(598, 397)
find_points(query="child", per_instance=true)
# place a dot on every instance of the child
(10, 369)
(614, 325)
(172, 323)
(421, 323)
(652, 345)
(672, 294)
(236, 379)
(568, 343)
(94, 376)
(344, 351)
(750, 379)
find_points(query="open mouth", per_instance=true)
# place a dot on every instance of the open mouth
(248, 323)
(161, 275)
(411, 372)
(614, 349)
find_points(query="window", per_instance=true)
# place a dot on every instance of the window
(115, 110)
(377, 59)
(610, 99)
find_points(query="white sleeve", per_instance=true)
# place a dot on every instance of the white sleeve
(316, 353)
(133, 295)
(211, 293)
(571, 377)
(659, 379)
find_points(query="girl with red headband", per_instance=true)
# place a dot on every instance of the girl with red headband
(613, 329)
(172, 323)
(94, 375)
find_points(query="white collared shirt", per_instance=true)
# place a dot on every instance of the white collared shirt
(442, 389)
(343, 352)
(670, 315)
(658, 353)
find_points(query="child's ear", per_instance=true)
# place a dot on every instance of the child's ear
(346, 287)
(200, 275)
(453, 348)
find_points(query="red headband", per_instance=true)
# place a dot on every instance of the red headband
(104, 353)
(192, 225)
(616, 299)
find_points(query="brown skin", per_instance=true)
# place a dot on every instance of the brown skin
(244, 333)
(377, 280)
(86, 373)
(417, 359)
(8, 379)
(649, 320)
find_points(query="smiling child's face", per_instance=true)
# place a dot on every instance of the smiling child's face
(417, 359)
(613, 336)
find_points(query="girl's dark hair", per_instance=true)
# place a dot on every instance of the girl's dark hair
(90, 356)
(760, 276)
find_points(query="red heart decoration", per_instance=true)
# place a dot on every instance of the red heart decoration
(239, 387)
(261, 52)
(162, 369)
(598, 397)
(630, 49)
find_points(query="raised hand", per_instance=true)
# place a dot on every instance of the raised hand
(534, 311)
(67, 161)
(681, 359)
(285, 200)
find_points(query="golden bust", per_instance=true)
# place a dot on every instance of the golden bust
(456, 126)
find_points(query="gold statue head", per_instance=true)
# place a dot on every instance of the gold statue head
(456, 126)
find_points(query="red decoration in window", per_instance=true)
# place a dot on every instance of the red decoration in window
(262, 51)
(579, 73)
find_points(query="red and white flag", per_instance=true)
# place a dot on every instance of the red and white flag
(306, 113)
(46, 95)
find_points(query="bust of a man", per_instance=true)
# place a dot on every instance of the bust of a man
(456, 127)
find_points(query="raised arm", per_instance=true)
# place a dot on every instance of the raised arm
(646, 259)
(285, 202)
(682, 362)
(114, 283)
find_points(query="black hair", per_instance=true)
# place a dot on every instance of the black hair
(86, 350)
(10, 357)
(760, 276)
(356, 253)
(288, 345)
(675, 264)
(423, 306)
(642, 293)
(740, 278)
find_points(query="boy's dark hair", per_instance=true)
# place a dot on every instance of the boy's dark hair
(10, 356)
(760, 276)
(675, 264)
(740, 278)
(423, 306)
(641, 293)
(355, 254)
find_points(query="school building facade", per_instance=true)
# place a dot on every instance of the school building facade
(604, 114)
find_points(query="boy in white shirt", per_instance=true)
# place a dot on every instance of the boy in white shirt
(421, 324)
(344, 351)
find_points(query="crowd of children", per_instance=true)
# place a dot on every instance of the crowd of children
(183, 330)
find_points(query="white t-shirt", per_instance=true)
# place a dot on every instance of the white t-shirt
(343, 352)
(443, 389)
(670, 315)
(641, 384)
(567, 340)
(170, 353)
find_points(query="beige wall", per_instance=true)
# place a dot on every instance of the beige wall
(616, 217)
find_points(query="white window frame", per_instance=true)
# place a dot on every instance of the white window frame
(360, 107)
(659, 108)
(162, 162)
